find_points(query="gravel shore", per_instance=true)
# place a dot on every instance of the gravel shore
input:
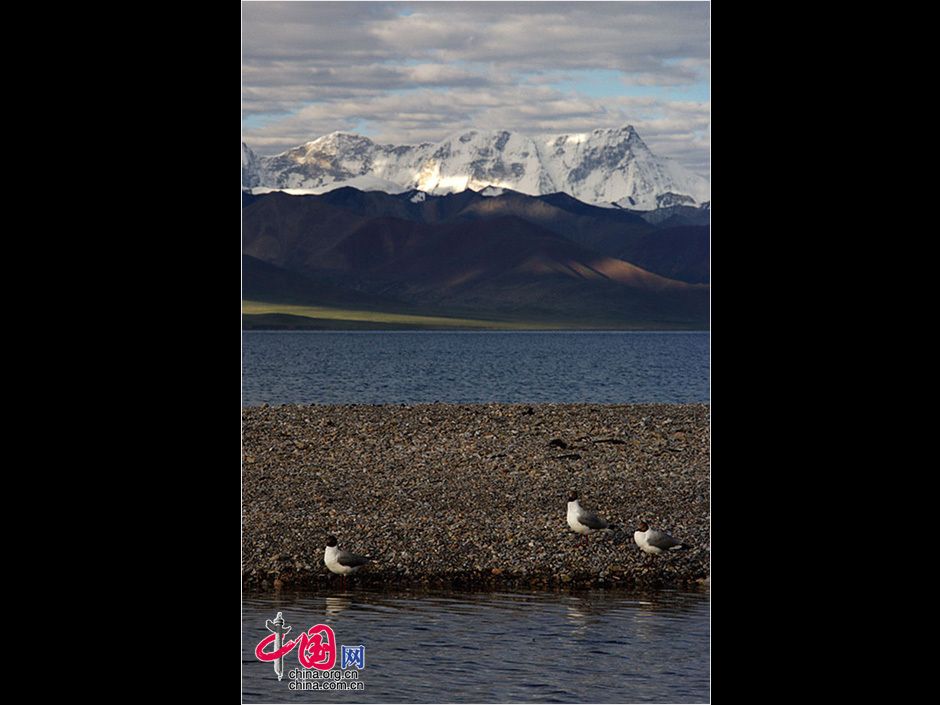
(473, 495)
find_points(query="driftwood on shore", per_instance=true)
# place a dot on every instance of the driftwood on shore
(473, 495)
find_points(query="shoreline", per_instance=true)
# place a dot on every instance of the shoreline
(287, 322)
(473, 496)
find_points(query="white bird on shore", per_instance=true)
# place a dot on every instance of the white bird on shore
(583, 521)
(655, 542)
(339, 561)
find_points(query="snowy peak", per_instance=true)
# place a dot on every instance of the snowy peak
(250, 168)
(336, 142)
(604, 167)
(477, 159)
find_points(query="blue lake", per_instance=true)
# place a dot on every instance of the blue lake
(582, 647)
(411, 367)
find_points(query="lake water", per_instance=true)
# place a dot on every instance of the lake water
(410, 367)
(592, 646)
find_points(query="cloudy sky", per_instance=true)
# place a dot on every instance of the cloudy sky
(410, 72)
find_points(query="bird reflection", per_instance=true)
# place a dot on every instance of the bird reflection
(586, 609)
(336, 605)
(579, 619)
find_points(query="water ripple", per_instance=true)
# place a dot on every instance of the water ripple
(594, 646)
(411, 367)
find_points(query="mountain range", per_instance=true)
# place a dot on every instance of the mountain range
(495, 254)
(612, 168)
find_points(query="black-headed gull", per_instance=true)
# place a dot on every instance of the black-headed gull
(339, 561)
(583, 521)
(655, 542)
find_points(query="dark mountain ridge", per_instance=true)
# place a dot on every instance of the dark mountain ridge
(512, 254)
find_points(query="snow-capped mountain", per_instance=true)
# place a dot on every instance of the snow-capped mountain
(604, 167)
(251, 169)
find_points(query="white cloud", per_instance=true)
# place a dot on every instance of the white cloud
(313, 67)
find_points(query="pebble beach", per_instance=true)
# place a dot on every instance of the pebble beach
(473, 496)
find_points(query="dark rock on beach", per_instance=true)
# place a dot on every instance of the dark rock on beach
(473, 495)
